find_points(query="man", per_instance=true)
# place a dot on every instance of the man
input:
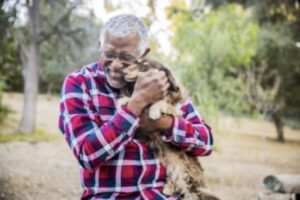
(114, 164)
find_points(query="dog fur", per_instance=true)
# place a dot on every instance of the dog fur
(185, 177)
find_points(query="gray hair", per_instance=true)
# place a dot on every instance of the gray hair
(124, 25)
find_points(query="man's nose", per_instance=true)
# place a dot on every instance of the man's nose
(117, 64)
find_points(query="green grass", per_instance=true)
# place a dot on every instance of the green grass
(4, 111)
(38, 136)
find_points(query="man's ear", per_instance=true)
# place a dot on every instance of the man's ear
(99, 47)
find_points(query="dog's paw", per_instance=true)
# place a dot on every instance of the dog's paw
(154, 114)
(156, 109)
(122, 101)
(168, 189)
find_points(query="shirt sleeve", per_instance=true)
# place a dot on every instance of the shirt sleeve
(92, 141)
(190, 132)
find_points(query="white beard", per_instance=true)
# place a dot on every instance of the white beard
(117, 84)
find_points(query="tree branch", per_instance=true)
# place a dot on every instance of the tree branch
(43, 36)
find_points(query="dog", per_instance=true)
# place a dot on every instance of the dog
(185, 177)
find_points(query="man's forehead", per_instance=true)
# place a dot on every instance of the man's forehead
(129, 42)
(108, 36)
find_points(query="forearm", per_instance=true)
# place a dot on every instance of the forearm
(91, 140)
(191, 133)
(136, 105)
(195, 139)
(94, 143)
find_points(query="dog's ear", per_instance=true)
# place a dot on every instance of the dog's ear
(147, 50)
(143, 56)
(174, 87)
(175, 91)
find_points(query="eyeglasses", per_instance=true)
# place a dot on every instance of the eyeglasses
(125, 59)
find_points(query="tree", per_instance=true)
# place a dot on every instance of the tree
(31, 56)
(214, 49)
(8, 54)
(273, 78)
(63, 53)
(247, 57)
(51, 42)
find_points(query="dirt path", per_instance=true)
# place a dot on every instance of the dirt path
(44, 170)
(48, 170)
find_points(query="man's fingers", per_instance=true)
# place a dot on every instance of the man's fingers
(149, 74)
(153, 72)
(162, 74)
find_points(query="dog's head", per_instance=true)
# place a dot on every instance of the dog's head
(175, 93)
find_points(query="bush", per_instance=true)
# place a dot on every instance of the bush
(3, 109)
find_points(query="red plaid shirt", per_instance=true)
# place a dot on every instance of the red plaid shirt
(114, 164)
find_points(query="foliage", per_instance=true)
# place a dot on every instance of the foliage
(62, 53)
(10, 67)
(7, 56)
(240, 57)
(279, 53)
(3, 109)
(215, 49)
(234, 57)
(73, 44)
(76, 45)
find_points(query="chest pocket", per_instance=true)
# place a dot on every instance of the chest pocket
(104, 105)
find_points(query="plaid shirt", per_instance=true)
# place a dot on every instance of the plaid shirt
(114, 164)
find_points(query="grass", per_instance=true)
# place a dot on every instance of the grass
(38, 136)
(4, 111)
(10, 123)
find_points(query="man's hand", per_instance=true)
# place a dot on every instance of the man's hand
(150, 86)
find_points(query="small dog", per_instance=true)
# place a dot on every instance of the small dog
(185, 177)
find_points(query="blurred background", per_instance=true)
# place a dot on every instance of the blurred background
(239, 60)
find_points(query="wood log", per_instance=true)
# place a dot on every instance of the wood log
(285, 183)
(270, 195)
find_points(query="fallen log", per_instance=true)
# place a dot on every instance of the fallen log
(270, 195)
(286, 183)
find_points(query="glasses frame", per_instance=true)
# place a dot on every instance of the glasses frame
(110, 57)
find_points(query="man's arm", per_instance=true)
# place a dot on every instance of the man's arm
(189, 132)
(92, 141)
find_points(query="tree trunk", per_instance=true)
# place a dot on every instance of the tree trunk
(30, 73)
(31, 63)
(284, 183)
(277, 119)
(49, 88)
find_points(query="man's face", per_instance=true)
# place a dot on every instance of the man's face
(117, 54)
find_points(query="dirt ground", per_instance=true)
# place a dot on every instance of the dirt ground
(245, 152)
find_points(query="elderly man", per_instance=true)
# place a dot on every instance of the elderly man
(114, 163)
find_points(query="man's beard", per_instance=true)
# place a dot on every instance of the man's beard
(115, 79)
